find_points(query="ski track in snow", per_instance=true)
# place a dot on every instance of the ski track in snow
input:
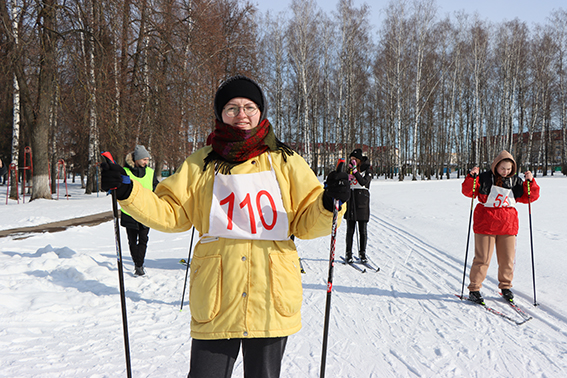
(409, 309)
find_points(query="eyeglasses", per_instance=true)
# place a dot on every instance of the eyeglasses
(233, 110)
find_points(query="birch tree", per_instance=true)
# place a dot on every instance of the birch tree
(16, 13)
(545, 48)
(395, 36)
(422, 21)
(88, 17)
(37, 113)
(273, 43)
(354, 65)
(479, 40)
(302, 53)
(559, 25)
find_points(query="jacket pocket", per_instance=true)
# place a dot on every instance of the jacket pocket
(205, 290)
(362, 198)
(285, 279)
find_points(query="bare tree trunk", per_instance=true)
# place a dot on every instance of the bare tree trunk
(54, 152)
(144, 119)
(15, 141)
(457, 64)
(88, 47)
(303, 32)
(16, 112)
(40, 133)
(424, 13)
(531, 128)
(559, 20)
(480, 51)
(397, 31)
(38, 122)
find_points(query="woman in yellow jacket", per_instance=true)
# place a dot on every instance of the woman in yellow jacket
(246, 193)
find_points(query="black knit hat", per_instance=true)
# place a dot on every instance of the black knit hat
(357, 153)
(239, 86)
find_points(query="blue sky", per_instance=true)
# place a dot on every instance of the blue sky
(531, 11)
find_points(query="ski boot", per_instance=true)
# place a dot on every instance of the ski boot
(139, 271)
(362, 257)
(508, 295)
(348, 257)
(476, 297)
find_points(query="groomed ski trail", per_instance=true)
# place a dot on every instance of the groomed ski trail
(409, 309)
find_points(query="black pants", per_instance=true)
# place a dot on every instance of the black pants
(215, 358)
(138, 242)
(350, 233)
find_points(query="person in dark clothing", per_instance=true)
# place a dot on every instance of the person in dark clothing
(137, 168)
(3, 170)
(358, 206)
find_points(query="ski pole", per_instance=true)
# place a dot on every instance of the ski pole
(468, 236)
(355, 222)
(531, 240)
(357, 236)
(187, 270)
(336, 204)
(109, 159)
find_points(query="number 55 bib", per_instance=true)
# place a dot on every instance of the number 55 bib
(500, 197)
(248, 206)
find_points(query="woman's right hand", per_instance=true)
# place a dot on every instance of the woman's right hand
(475, 171)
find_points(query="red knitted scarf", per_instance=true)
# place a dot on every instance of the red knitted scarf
(232, 146)
(236, 145)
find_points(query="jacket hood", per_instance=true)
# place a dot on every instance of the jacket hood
(502, 156)
(129, 160)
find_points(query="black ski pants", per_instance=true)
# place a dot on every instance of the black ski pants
(362, 226)
(215, 358)
(138, 243)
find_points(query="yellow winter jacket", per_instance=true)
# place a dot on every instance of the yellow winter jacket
(238, 288)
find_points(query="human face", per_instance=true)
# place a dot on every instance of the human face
(241, 120)
(504, 168)
(142, 162)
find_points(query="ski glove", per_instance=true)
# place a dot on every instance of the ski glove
(336, 187)
(115, 177)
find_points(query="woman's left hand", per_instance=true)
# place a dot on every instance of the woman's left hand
(528, 175)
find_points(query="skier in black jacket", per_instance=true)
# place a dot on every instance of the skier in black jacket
(358, 206)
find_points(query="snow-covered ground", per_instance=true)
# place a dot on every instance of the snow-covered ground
(60, 313)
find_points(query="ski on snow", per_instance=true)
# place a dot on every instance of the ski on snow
(355, 266)
(496, 312)
(367, 264)
(517, 308)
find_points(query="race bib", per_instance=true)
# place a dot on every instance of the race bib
(500, 197)
(248, 206)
